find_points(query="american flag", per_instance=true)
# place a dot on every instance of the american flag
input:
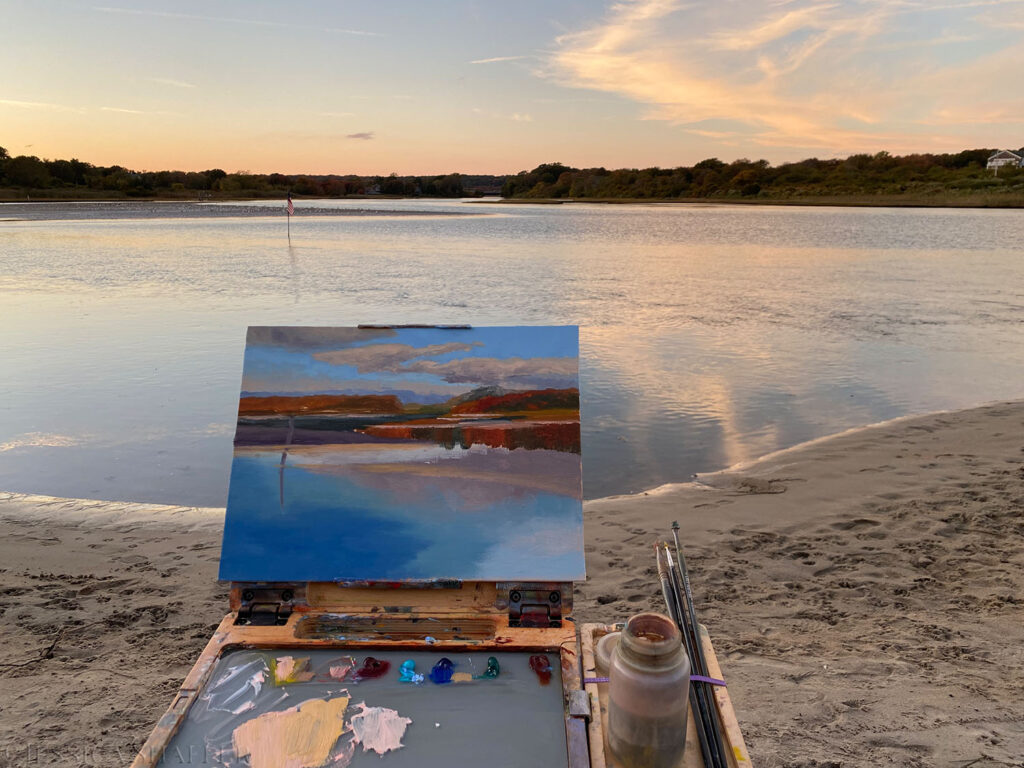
(291, 206)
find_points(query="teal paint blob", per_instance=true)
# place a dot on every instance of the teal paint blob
(492, 671)
(407, 672)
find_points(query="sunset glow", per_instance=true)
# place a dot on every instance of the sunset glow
(420, 88)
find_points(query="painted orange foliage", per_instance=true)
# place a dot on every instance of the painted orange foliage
(285, 405)
(533, 400)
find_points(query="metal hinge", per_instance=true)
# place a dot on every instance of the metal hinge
(535, 608)
(265, 607)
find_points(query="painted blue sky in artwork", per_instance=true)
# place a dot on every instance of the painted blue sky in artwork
(427, 364)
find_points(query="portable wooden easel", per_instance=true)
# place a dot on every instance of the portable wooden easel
(508, 454)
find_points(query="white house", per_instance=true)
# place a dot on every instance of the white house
(1004, 157)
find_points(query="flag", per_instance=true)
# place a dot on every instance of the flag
(291, 207)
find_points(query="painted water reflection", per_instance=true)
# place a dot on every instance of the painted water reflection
(393, 514)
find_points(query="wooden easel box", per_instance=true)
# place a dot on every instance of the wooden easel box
(470, 616)
(467, 616)
(359, 617)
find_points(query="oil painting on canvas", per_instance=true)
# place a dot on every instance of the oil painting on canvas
(406, 453)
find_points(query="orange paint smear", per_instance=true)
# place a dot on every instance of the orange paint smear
(300, 737)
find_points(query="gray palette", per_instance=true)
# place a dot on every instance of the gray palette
(513, 720)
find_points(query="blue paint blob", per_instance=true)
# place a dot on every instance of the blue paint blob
(442, 671)
(407, 672)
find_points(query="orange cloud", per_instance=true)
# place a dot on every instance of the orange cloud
(848, 75)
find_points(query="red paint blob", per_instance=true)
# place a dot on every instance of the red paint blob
(542, 666)
(373, 668)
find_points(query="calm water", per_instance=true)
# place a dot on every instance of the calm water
(710, 334)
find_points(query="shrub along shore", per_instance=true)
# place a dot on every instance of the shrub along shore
(933, 180)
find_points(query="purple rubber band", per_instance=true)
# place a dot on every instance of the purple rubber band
(712, 680)
(694, 678)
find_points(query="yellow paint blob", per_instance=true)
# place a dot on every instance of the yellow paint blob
(462, 677)
(300, 737)
(287, 669)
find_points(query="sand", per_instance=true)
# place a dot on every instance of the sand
(864, 594)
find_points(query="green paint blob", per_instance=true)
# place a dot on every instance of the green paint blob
(492, 671)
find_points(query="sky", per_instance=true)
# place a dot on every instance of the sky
(412, 87)
(420, 364)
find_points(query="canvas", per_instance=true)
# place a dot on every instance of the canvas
(407, 453)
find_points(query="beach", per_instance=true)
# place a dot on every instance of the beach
(864, 593)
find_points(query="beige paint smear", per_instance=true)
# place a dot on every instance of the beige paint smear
(378, 728)
(300, 737)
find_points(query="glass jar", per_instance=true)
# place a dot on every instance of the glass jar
(648, 694)
(604, 650)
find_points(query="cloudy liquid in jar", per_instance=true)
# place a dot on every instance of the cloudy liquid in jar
(648, 693)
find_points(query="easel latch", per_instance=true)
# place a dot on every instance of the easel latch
(535, 608)
(266, 607)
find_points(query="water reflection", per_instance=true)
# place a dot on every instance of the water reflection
(710, 335)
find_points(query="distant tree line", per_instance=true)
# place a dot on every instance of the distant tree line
(857, 175)
(956, 174)
(62, 178)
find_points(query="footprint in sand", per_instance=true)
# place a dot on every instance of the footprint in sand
(860, 522)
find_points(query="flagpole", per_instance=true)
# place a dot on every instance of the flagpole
(289, 208)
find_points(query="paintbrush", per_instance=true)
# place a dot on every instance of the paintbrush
(665, 567)
(690, 614)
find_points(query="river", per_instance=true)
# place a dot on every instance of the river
(710, 334)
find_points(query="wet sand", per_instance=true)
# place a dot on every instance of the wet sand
(864, 593)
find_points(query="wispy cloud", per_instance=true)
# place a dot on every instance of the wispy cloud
(362, 135)
(169, 81)
(312, 337)
(127, 111)
(496, 59)
(376, 358)
(806, 75)
(506, 372)
(230, 20)
(516, 117)
(39, 105)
